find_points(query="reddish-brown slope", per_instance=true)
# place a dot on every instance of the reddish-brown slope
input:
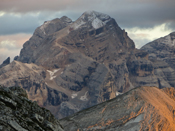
(141, 109)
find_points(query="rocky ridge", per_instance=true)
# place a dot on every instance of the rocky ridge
(5, 62)
(17, 113)
(141, 109)
(162, 55)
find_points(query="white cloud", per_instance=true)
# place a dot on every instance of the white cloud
(142, 36)
(2, 13)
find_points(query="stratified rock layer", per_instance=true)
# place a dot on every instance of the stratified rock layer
(162, 54)
(17, 113)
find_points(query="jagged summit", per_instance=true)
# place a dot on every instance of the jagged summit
(49, 27)
(94, 14)
(95, 19)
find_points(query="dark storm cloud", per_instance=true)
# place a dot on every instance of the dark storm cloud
(128, 13)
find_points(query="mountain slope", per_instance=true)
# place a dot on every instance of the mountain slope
(143, 108)
(162, 54)
(17, 113)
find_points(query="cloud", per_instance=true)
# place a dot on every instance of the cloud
(142, 36)
(10, 45)
(128, 13)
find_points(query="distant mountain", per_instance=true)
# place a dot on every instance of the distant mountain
(17, 113)
(141, 109)
(5, 62)
(68, 66)
(162, 54)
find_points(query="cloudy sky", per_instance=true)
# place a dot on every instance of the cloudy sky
(144, 20)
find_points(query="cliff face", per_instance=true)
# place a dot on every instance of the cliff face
(68, 66)
(162, 54)
(141, 109)
(5, 62)
(17, 113)
(41, 35)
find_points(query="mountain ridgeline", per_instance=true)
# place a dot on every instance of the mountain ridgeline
(68, 66)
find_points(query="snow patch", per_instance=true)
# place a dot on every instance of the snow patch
(96, 19)
(78, 23)
(135, 120)
(97, 23)
(52, 73)
(84, 98)
(42, 27)
(74, 95)
(118, 93)
(168, 40)
(94, 14)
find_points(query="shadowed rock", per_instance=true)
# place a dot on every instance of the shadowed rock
(17, 113)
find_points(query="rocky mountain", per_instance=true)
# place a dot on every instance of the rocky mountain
(5, 62)
(141, 109)
(68, 66)
(17, 113)
(162, 55)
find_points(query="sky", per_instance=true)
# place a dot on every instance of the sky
(144, 20)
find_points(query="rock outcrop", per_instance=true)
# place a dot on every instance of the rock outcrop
(162, 55)
(141, 109)
(17, 113)
(5, 62)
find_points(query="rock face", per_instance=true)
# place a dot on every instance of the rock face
(31, 77)
(17, 113)
(5, 62)
(41, 35)
(162, 54)
(69, 66)
(135, 110)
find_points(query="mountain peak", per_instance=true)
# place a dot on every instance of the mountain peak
(93, 14)
(95, 19)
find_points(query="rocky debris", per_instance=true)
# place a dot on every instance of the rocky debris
(17, 113)
(5, 62)
(134, 110)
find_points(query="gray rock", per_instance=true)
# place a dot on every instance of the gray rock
(5, 62)
(161, 54)
(17, 113)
